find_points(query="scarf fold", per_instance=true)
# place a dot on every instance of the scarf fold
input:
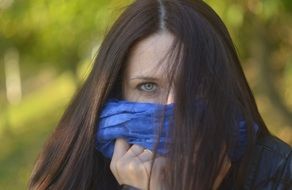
(139, 123)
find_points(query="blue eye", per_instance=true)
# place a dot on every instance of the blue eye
(147, 87)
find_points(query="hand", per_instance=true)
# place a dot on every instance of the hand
(131, 165)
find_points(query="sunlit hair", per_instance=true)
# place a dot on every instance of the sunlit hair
(205, 68)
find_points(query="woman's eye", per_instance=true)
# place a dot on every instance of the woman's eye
(147, 87)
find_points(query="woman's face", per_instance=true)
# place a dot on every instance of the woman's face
(145, 77)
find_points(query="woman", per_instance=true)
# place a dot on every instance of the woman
(176, 55)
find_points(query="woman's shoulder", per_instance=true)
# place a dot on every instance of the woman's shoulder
(273, 145)
(271, 165)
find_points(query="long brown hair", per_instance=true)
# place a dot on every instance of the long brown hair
(207, 68)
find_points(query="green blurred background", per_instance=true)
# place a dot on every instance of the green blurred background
(47, 47)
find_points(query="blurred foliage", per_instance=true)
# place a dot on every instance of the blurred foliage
(53, 43)
(56, 34)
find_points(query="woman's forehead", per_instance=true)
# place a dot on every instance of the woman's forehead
(147, 56)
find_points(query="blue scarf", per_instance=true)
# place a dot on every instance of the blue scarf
(139, 123)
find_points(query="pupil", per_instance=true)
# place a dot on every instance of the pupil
(148, 86)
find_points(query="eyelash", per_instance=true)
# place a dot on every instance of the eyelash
(140, 87)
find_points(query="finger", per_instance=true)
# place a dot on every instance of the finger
(134, 151)
(146, 155)
(159, 163)
(158, 172)
(121, 147)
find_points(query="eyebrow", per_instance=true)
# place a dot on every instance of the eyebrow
(144, 78)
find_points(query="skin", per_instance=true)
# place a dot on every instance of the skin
(145, 81)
